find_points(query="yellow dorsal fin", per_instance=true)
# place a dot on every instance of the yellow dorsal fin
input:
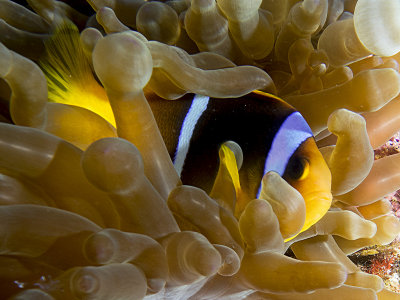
(69, 76)
(266, 94)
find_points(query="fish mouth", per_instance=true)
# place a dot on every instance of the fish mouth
(317, 205)
(318, 196)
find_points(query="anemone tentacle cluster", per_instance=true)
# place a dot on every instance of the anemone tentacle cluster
(91, 205)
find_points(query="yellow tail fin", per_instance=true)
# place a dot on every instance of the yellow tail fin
(69, 76)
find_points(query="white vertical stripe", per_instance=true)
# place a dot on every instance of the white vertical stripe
(292, 133)
(199, 105)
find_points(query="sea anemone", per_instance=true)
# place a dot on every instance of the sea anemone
(91, 205)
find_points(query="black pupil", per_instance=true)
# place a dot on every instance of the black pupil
(295, 167)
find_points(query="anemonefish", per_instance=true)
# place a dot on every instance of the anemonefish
(272, 134)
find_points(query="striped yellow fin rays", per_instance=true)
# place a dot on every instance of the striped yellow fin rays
(69, 76)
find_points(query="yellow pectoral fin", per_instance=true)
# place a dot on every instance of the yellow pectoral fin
(228, 159)
(226, 189)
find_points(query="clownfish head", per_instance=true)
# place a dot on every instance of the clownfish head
(309, 174)
(294, 155)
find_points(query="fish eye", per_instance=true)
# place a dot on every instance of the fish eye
(298, 168)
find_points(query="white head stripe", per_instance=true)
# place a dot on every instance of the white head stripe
(198, 106)
(292, 133)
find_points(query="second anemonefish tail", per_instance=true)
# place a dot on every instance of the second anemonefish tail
(272, 134)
